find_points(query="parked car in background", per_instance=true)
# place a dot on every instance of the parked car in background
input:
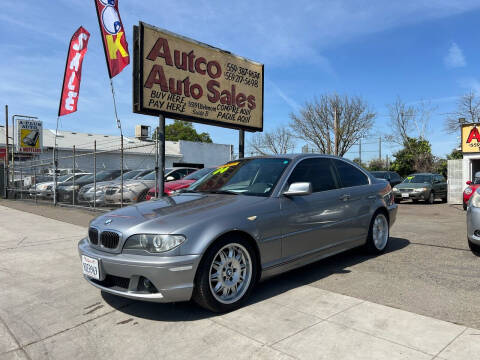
(136, 190)
(391, 176)
(173, 187)
(67, 191)
(422, 186)
(470, 189)
(87, 194)
(473, 222)
(44, 190)
(251, 219)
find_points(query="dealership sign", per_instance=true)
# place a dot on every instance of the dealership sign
(29, 137)
(187, 80)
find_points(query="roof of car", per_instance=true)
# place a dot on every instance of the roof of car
(293, 156)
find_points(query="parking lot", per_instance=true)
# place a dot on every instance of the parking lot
(419, 300)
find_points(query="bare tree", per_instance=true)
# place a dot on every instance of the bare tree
(409, 121)
(319, 120)
(468, 108)
(278, 141)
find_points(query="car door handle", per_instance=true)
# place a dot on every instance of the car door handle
(345, 197)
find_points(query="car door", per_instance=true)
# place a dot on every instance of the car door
(311, 222)
(358, 197)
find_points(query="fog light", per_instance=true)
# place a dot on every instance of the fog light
(476, 233)
(147, 283)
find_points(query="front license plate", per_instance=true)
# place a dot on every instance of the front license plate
(405, 195)
(90, 267)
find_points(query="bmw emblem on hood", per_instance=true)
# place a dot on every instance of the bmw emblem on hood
(108, 221)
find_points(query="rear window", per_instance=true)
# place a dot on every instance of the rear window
(350, 175)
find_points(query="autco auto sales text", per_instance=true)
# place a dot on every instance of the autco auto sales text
(174, 93)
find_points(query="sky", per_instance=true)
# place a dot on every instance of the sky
(379, 50)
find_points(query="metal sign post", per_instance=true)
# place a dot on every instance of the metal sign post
(160, 157)
(161, 144)
(241, 144)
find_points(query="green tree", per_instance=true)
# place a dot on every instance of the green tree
(377, 165)
(455, 155)
(359, 162)
(416, 156)
(183, 130)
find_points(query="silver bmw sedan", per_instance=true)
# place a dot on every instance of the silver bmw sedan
(245, 221)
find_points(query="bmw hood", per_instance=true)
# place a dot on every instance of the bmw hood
(169, 214)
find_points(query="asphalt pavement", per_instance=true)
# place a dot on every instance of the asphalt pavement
(419, 300)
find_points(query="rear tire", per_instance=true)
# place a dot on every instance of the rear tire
(226, 275)
(378, 234)
(474, 248)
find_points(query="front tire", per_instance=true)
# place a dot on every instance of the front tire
(431, 198)
(378, 234)
(226, 275)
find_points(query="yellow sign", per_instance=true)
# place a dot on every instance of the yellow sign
(470, 139)
(187, 80)
(29, 136)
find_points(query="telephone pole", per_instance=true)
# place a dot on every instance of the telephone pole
(335, 130)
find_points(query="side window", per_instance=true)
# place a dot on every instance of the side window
(317, 171)
(350, 175)
(176, 174)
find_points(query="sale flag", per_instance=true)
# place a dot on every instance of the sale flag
(73, 72)
(113, 35)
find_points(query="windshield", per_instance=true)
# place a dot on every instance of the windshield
(64, 178)
(151, 176)
(198, 174)
(100, 176)
(130, 175)
(248, 177)
(418, 179)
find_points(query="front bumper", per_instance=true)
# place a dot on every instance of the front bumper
(172, 277)
(422, 195)
(87, 197)
(473, 224)
(129, 197)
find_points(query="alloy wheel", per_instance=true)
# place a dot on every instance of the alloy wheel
(380, 232)
(230, 273)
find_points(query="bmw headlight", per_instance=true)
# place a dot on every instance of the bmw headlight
(154, 243)
(475, 199)
(420, 189)
(468, 191)
(71, 187)
(395, 189)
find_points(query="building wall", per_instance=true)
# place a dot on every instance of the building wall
(208, 154)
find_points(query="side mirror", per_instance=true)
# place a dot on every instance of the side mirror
(170, 178)
(469, 182)
(299, 189)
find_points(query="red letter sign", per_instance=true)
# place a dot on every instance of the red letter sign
(73, 72)
(474, 134)
(113, 34)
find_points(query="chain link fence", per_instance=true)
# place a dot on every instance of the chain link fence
(87, 176)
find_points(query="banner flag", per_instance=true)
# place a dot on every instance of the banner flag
(113, 35)
(73, 72)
